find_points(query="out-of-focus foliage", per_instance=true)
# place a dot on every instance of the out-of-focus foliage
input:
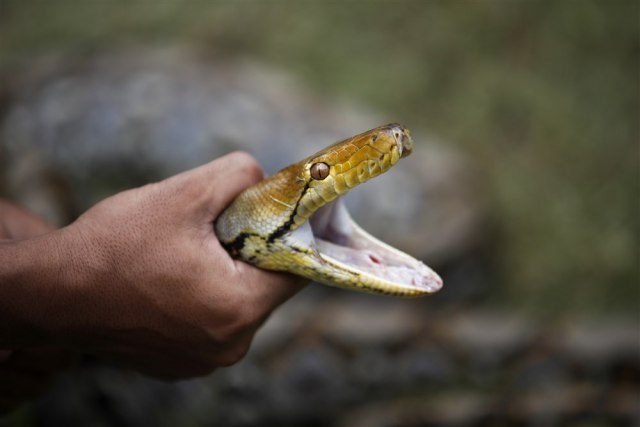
(542, 96)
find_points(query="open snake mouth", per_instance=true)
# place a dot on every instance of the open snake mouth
(343, 243)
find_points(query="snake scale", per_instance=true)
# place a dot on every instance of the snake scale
(295, 221)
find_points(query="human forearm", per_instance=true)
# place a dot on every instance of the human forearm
(24, 371)
(37, 286)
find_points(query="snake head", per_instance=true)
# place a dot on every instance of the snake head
(344, 165)
(294, 220)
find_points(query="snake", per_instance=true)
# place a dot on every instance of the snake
(295, 220)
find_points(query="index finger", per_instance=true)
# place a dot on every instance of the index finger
(220, 181)
(19, 223)
(270, 288)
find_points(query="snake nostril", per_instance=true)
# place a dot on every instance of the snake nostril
(398, 133)
(375, 259)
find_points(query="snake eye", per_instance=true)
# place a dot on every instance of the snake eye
(319, 171)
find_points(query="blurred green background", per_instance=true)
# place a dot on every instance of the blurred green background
(542, 96)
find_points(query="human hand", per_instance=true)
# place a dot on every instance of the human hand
(146, 282)
(26, 372)
(19, 223)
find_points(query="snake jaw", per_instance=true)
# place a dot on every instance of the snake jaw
(343, 244)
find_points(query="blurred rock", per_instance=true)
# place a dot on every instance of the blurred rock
(303, 378)
(623, 403)
(425, 367)
(542, 374)
(116, 120)
(598, 341)
(488, 332)
(554, 405)
(97, 393)
(450, 409)
(486, 341)
(369, 321)
(372, 368)
(464, 369)
(242, 392)
(284, 324)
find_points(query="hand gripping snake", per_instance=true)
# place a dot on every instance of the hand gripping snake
(294, 221)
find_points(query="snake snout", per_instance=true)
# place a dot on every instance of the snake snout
(403, 139)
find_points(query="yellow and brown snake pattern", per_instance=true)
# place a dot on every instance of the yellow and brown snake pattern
(294, 220)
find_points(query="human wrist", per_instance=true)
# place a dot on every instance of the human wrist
(39, 282)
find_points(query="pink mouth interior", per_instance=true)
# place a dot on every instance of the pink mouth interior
(337, 236)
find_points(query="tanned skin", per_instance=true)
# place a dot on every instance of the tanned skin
(139, 278)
